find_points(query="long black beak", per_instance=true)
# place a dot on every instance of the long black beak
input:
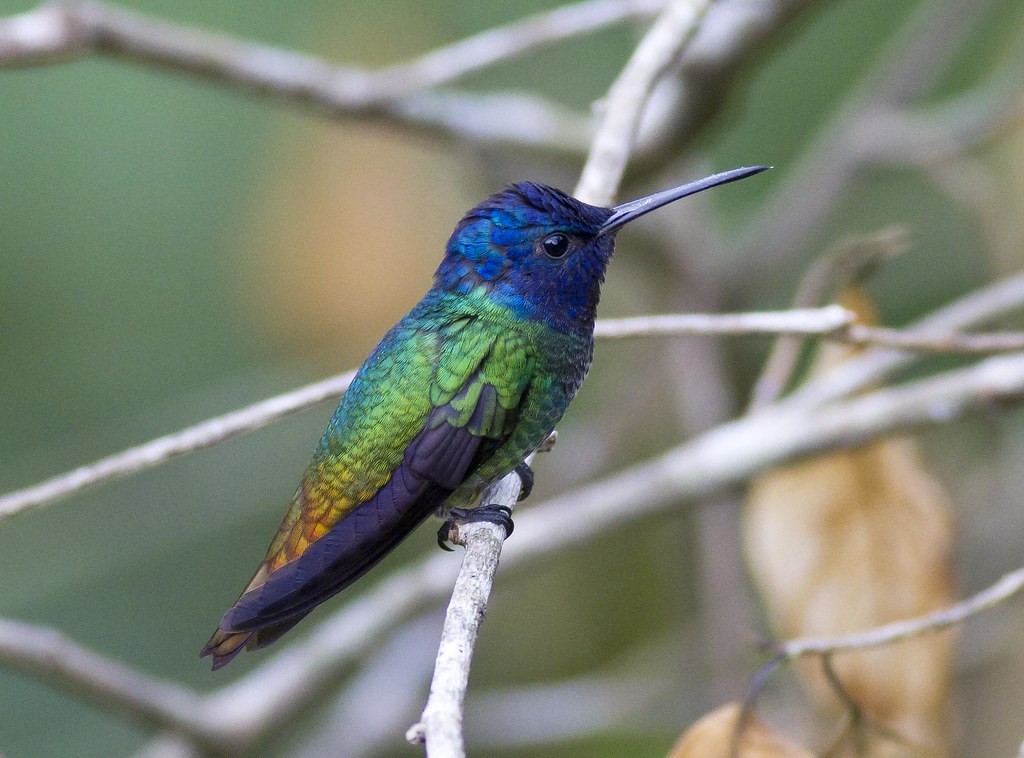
(623, 214)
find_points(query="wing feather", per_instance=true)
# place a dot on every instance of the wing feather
(324, 543)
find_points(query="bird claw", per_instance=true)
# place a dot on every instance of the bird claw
(525, 474)
(492, 513)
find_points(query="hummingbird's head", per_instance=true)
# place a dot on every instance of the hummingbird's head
(542, 253)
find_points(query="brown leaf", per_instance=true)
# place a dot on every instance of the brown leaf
(712, 737)
(850, 541)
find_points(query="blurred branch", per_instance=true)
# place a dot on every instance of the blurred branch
(62, 31)
(708, 72)
(810, 191)
(499, 44)
(440, 726)
(898, 631)
(403, 94)
(399, 94)
(845, 261)
(153, 453)
(49, 656)
(260, 702)
(935, 334)
(629, 95)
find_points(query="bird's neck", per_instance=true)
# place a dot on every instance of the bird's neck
(496, 301)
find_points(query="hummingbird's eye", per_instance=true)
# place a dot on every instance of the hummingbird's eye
(555, 245)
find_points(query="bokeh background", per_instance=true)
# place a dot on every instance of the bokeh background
(171, 250)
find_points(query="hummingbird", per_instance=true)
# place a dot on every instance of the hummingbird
(454, 397)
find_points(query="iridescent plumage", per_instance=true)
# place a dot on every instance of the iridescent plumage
(454, 397)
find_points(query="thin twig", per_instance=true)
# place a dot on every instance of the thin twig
(48, 655)
(923, 342)
(629, 95)
(846, 260)
(400, 94)
(255, 706)
(503, 43)
(163, 449)
(807, 321)
(440, 726)
(898, 631)
(933, 335)
(833, 323)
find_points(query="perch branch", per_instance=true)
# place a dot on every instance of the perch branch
(440, 725)
(936, 334)
(260, 702)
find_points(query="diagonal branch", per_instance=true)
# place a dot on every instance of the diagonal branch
(936, 334)
(163, 449)
(1008, 585)
(499, 44)
(256, 706)
(440, 726)
(399, 94)
(50, 656)
(629, 95)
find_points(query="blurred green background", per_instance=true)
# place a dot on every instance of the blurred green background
(171, 250)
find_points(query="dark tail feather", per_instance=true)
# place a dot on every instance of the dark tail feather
(224, 645)
(269, 634)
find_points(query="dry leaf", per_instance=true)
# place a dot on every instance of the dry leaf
(850, 541)
(712, 737)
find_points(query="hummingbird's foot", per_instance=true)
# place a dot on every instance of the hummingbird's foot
(492, 513)
(525, 474)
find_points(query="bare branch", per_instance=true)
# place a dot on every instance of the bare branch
(440, 725)
(711, 462)
(628, 97)
(61, 32)
(832, 322)
(504, 43)
(48, 655)
(807, 321)
(898, 631)
(260, 702)
(709, 71)
(163, 449)
(935, 334)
